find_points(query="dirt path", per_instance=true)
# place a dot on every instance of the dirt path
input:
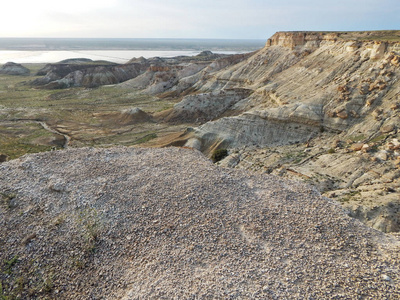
(45, 126)
(48, 128)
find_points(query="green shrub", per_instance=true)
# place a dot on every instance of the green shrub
(219, 154)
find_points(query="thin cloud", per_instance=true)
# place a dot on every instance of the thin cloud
(192, 18)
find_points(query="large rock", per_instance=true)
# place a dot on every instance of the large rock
(11, 68)
(207, 106)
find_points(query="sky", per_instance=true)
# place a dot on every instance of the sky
(226, 19)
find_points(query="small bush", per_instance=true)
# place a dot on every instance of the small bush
(219, 154)
(6, 198)
(331, 151)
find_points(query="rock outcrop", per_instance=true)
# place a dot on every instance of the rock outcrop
(339, 85)
(11, 68)
(132, 116)
(157, 74)
(303, 39)
(206, 106)
(126, 223)
(58, 76)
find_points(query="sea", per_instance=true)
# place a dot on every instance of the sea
(48, 50)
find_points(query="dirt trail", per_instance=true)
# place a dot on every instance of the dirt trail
(45, 126)
(48, 128)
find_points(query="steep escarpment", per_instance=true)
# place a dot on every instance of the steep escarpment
(313, 102)
(324, 109)
(335, 81)
(129, 223)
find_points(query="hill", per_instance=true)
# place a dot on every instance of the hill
(126, 223)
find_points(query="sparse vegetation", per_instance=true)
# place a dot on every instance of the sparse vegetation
(295, 157)
(145, 139)
(85, 114)
(89, 220)
(357, 138)
(349, 196)
(8, 264)
(378, 139)
(219, 154)
(6, 199)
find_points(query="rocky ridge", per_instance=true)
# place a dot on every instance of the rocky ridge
(132, 223)
(159, 73)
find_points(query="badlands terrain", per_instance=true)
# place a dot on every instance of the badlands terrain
(318, 108)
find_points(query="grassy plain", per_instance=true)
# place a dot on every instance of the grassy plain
(34, 120)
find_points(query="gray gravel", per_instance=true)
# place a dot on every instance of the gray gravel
(131, 223)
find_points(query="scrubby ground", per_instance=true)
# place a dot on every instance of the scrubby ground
(34, 120)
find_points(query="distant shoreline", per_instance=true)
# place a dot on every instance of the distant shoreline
(116, 56)
(70, 44)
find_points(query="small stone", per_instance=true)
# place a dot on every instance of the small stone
(357, 146)
(387, 128)
(365, 148)
(343, 114)
(386, 278)
(382, 155)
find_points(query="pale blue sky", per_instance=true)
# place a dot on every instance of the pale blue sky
(253, 19)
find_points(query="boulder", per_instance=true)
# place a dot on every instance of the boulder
(343, 114)
(357, 146)
(387, 128)
(382, 155)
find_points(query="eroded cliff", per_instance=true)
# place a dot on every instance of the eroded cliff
(325, 98)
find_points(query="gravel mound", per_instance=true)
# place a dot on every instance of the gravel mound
(132, 223)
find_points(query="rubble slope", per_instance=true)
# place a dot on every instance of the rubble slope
(132, 223)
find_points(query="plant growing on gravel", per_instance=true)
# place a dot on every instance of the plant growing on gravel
(10, 263)
(3, 296)
(219, 154)
(6, 198)
(89, 219)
